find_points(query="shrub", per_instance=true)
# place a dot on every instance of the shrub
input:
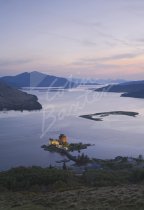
(24, 178)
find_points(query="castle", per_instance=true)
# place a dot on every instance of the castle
(62, 142)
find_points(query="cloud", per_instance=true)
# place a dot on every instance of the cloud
(119, 57)
(10, 62)
(96, 24)
(76, 40)
(139, 40)
(100, 31)
(94, 65)
(93, 61)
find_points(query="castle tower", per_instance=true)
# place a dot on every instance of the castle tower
(63, 139)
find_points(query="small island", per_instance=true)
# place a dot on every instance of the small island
(62, 146)
(14, 99)
(101, 115)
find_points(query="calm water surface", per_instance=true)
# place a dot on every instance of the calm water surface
(23, 133)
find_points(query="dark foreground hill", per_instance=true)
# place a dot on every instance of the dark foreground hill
(127, 197)
(13, 99)
(37, 79)
(51, 189)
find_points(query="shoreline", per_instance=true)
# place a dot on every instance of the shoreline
(119, 162)
(79, 160)
(123, 161)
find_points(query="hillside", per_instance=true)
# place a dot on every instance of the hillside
(127, 197)
(133, 89)
(92, 81)
(13, 99)
(123, 87)
(37, 79)
(135, 94)
(38, 188)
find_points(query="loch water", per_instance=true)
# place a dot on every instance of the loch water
(23, 133)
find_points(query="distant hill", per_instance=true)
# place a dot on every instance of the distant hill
(92, 81)
(13, 99)
(136, 94)
(83, 81)
(37, 79)
(129, 89)
(123, 87)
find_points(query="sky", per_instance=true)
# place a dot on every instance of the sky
(78, 38)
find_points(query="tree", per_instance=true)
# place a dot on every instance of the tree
(140, 157)
(64, 166)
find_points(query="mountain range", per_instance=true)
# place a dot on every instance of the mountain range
(37, 79)
(91, 81)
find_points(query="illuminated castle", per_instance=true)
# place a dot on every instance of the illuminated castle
(62, 141)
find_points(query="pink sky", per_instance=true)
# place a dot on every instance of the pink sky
(97, 38)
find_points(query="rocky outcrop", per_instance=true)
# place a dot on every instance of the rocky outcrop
(14, 99)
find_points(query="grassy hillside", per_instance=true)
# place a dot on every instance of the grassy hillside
(47, 189)
(127, 197)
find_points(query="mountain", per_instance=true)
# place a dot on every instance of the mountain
(136, 94)
(13, 99)
(91, 81)
(37, 79)
(133, 89)
(83, 81)
(123, 87)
